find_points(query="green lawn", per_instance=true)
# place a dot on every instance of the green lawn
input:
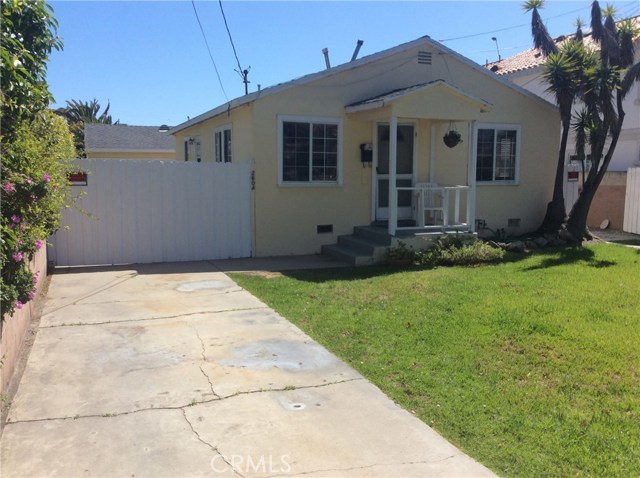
(531, 366)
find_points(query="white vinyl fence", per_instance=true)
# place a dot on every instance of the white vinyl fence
(155, 211)
(632, 202)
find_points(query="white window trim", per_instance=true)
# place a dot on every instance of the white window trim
(222, 129)
(310, 119)
(508, 126)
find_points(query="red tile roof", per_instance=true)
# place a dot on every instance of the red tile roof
(533, 57)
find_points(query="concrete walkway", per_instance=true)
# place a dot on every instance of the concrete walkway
(174, 370)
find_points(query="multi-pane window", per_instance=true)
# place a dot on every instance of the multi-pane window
(309, 151)
(222, 144)
(497, 153)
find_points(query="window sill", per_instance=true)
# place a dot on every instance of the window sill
(303, 184)
(497, 183)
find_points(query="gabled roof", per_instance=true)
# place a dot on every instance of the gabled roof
(422, 41)
(383, 99)
(533, 57)
(119, 137)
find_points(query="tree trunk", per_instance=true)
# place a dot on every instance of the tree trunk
(576, 226)
(556, 211)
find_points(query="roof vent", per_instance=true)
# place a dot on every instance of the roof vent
(495, 68)
(424, 57)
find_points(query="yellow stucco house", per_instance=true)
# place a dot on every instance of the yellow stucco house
(361, 144)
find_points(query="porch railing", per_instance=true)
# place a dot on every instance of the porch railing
(437, 207)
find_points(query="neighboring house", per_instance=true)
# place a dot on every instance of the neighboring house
(525, 69)
(117, 141)
(362, 143)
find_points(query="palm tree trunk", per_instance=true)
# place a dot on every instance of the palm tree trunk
(556, 210)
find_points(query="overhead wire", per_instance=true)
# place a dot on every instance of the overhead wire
(209, 50)
(226, 25)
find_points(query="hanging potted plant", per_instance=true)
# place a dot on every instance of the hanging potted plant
(452, 138)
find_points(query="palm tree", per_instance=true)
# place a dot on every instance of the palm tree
(78, 112)
(604, 89)
(601, 81)
(560, 72)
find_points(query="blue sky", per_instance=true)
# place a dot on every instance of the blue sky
(150, 61)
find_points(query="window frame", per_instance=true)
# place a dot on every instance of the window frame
(325, 120)
(496, 127)
(222, 151)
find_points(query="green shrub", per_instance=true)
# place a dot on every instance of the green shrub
(453, 251)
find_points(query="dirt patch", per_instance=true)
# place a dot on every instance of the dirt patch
(265, 274)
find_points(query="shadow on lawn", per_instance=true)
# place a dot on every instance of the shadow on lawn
(569, 255)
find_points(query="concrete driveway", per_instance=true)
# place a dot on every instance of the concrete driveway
(174, 370)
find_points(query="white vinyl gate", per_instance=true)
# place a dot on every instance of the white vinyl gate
(632, 202)
(137, 211)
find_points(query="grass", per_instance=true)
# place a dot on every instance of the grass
(531, 366)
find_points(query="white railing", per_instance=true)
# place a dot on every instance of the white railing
(437, 207)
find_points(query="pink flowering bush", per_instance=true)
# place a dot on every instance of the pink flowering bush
(34, 189)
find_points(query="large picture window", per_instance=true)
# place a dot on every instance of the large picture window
(222, 144)
(498, 151)
(309, 150)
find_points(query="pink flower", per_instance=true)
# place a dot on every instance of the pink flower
(19, 305)
(15, 219)
(34, 279)
(29, 180)
(39, 244)
(31, 294)
(46, 177)
(17, 256)
(9, 188)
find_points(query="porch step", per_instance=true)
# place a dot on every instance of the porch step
(367, 245)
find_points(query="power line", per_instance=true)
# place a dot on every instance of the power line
(243, 73)
(508, 28)
(209, 50)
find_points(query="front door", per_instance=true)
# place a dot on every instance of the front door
(404, 171)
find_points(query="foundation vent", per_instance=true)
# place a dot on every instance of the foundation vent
(324, 228)
(424, 57)
(513, 222)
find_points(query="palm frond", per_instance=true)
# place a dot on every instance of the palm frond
(597, 29)
(631, 76)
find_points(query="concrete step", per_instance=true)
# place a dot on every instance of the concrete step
(351, 255)
(376, 235)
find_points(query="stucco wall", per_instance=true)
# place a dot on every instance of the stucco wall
(608, 203)
(15, 327)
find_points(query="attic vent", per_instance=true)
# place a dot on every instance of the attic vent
(424, 57)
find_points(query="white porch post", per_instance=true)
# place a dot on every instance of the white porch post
(432, 158)
(471, 177)
(393, 192)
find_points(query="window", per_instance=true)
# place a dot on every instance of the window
(186, 149)
(222, 144)
(498, 151)
(309, 150)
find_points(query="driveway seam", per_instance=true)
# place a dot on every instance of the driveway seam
(78, 324)
(219, 398)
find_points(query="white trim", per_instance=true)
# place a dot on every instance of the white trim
(310, 119)
(497, 126)
(471, 176)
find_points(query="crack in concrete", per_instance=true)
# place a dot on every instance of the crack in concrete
(204, 359)
(193, 403)
(212, 447)
(363, 467)
(80, 324)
